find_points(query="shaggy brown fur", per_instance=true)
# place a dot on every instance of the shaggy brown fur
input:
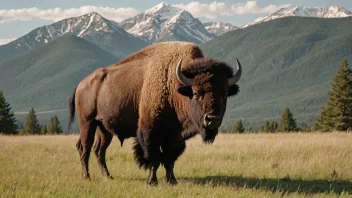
(141, 97)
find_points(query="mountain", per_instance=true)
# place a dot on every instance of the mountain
(6, 41)
(45, 77)
(324, 12)
(91, 27)
(288, 62)
(218, 28)
(166, 23)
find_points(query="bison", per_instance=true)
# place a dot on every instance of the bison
(163, 95)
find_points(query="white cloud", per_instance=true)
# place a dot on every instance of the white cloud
(216, 9)
(197, 9)
(5, 41)
(56, 14)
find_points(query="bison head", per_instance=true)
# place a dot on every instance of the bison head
(208, 83)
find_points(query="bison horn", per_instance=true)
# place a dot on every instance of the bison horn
(234, 79)
(183, 79)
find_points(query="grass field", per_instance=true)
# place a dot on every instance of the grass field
(249, 165)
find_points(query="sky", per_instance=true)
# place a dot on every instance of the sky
(19, 17)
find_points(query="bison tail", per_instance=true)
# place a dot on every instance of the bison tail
(139, 155)
(72, 109)
(79, 145)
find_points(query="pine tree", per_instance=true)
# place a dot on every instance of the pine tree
(337, 113)
(324, 122)
(287, 122)
(43, 129)
(273, 127)
(238, 127)
(31, 125)
(266, 127)
(250, 130)
(7, 118)
(306, 128)
(54, 126)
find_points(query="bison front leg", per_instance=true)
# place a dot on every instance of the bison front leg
(169, 156)
(147, 152)
(170, 177)
(153, 179)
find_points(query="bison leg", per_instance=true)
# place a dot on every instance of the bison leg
(149, 142)
(170, 177)
(144, 163)
(87, 132)
(153, 179)
(170, 155)
(102, 142)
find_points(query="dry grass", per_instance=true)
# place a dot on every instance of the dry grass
(249, 165)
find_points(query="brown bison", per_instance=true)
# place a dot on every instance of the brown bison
(162, 95)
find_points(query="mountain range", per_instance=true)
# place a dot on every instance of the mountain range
(287, 62)
(44, 77)
(300, 11)
(92, 27)
(167, 23)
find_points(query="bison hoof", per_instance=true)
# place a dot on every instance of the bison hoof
(152, 182)
(172, 182)
(86, 177)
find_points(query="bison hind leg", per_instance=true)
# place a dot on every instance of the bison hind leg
(139, 155)
(103, 140)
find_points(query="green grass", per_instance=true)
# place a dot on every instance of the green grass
(250, 165)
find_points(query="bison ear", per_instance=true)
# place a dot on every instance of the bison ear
(186, 91)
(233, 90)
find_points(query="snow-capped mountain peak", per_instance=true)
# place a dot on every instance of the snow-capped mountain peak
(160, 7)
(92, 27)
(165, 22)
(322, 12)
(182, 15)
(163, 9)
(219, 28)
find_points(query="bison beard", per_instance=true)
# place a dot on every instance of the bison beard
(161, 106)
(209, 135)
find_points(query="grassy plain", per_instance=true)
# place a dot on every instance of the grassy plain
(249, 165)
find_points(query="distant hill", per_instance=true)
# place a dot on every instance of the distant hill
(288, 62)
(91, 27)
(45, 77)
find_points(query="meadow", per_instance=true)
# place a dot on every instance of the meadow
(240, 165)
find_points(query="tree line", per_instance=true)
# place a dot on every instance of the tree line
(336, 115)
(30, 126)
(287, 124)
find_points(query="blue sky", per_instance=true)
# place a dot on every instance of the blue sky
(16, 19)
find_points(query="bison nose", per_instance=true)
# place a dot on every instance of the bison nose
(212, 121)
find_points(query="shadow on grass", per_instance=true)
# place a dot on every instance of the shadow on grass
(284, 185)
